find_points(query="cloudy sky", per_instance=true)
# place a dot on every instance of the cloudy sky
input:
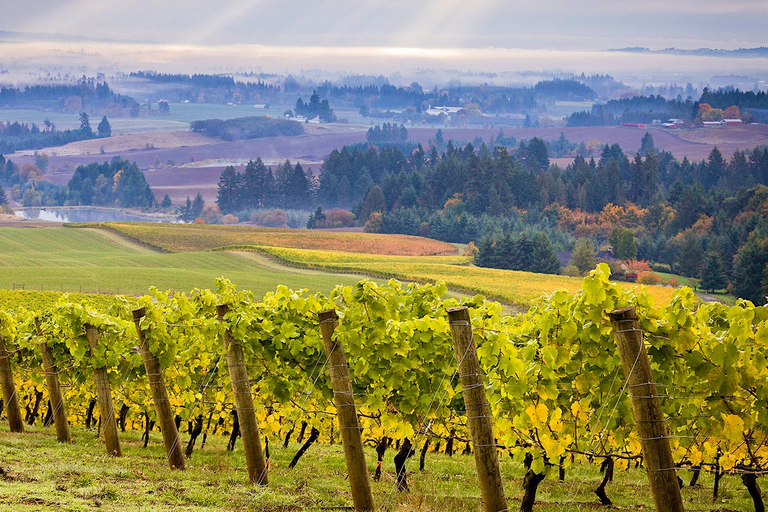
(547, 24)
(385, 36)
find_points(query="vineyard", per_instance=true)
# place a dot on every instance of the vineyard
(551, 383)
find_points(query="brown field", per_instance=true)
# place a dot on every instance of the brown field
(193, 237)
(121, 144)
(211, 155)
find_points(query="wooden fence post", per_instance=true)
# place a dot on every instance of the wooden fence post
(54, 390)
(165, 414)
(12, 409)
(651, 425)
(346, 411)
(478, 412)
(241, 389)
(104, 397)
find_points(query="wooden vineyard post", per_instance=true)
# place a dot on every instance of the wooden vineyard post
(104, 397)
(651, 425)
(478, 412)
(160, 397)
(12, 409)
(346, 411)
(54, 390)
(241, 389)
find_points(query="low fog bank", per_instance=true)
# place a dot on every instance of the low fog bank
(19, 61)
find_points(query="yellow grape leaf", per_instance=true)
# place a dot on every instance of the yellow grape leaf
(537, 413)
(575, 409)
(552, 447)
(733, 428)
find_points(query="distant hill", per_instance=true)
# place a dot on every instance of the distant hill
(761, 51)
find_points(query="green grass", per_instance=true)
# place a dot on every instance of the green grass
(62, 259)
(720, 295)
(40, 473)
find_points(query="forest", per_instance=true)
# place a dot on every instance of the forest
(115, 183)
(701, 220)
(86, 95)
(244, 128)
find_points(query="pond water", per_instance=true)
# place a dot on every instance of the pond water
(86, 214)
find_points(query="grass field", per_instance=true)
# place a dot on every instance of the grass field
(505, 285)
(106, 261)
(85, 260)
(39, 473)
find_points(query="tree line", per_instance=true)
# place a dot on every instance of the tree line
(258, 186)
(244, 128)
(90, 95)
(114, 183)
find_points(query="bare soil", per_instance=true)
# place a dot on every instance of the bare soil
(126, 143)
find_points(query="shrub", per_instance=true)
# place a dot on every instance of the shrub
(338, 218)
(199, 220)
(471, 250)
(572, 271)
(270, 219)
(648, 278)
(636, 266)
(660, 267)
(211, 214)
(229, 219)
(672, 282)
(373, 224)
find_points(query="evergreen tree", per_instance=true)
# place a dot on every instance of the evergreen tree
(543, 257)
(712, 274)
(297, 187)
(689, 255)
(748, 269)
(536, 155)
(85, 125)
(192, 209)
(228, 198)
(316, 219)
(166, 203)
(584, 255)
(197, 206)
(647, 147)
(623, 242)
(374, 202)
(104, 129)
(3, 196)
(258, 185)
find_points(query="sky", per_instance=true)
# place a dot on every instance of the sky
(362, 34)
(541, 24)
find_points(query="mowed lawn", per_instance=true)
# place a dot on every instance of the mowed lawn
(83, 260)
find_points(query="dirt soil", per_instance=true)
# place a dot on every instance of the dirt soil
(127, 143)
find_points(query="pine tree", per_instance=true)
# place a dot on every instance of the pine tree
(748, 268)
(543, 257)
(166, 203)
(647, 147)
(584, 255)
(712, 273)
(374, 202)
(228, 198)
(104, 129)
(85, 124)
(258, 186)
(3, 196)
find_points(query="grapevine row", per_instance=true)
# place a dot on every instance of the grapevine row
(553, 376)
